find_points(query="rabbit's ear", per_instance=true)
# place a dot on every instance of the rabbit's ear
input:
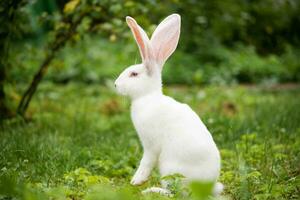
(142, 41)
(165, 38)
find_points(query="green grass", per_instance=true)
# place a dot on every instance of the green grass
(80, 144)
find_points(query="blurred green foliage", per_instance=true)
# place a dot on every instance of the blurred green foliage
(10, 20)
(222, 42)
(96, 60)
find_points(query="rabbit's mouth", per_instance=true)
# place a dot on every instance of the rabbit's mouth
(119, 90)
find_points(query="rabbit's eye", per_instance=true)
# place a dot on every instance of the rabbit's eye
(133, 74)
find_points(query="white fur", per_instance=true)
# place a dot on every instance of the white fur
(172, 135)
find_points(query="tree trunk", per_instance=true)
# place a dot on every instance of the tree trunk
(26, 98)
(55, 46)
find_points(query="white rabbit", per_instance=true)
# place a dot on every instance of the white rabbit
(172, 135)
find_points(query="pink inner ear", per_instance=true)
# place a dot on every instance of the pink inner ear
(143, 43)
(140, 37)
(168, 48)
(140, 41)
(165, 38)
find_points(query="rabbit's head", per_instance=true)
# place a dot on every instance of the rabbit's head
(141, 79)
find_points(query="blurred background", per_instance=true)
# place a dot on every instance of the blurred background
(66, 134)
(222, 42)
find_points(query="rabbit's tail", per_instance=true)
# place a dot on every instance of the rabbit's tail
(218, 188)
(162, 191)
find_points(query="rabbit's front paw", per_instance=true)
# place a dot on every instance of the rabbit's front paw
(139, 178)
